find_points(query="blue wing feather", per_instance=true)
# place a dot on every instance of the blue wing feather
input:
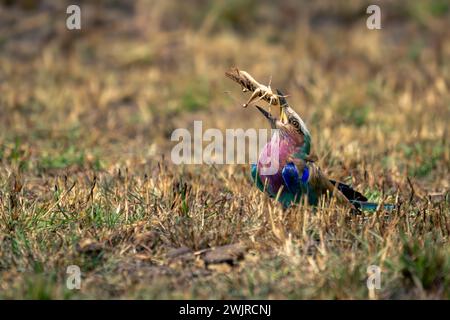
(291, 177)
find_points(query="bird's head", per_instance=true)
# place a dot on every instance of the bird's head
(291, 128)
(290, 124)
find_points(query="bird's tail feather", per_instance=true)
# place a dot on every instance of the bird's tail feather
(359, 200)
(350, 193)
(371, 206)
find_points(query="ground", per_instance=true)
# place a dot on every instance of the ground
(86, 176)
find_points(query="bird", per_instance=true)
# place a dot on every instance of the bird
(297, 176)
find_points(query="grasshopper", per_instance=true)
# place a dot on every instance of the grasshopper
(259, 91)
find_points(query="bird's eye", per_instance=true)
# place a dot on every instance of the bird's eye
(294, 122)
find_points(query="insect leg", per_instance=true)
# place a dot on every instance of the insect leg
(254, 95)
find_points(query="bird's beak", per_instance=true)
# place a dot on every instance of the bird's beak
(283, 116)
(283, 105)
(274, 122)
(268, 116)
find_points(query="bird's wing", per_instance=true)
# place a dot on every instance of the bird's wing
(321, 185)
(297, 181)
(291, 177)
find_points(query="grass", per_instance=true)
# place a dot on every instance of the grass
(86, 177)
(195, 97)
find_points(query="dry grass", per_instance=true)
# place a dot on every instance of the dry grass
(86, 177)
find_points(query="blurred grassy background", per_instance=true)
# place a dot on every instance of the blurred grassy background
(103, 101)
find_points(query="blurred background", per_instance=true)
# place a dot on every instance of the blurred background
(112, 93)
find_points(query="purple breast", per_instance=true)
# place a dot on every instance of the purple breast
(272, 159)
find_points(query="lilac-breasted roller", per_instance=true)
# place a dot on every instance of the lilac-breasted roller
(297, 176)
